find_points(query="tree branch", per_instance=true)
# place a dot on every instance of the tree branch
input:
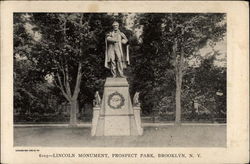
(79, 73)
(67, 80)
(78, 81)
(63, 72)
(61, 87)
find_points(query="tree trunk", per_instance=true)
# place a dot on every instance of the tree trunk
(178, 81)
(73, 112)
(179, 75)
(179, 62)
(73, 102)
(178, 99)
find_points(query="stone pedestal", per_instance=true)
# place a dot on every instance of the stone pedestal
(116, 116)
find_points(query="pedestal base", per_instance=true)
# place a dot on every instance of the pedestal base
(116, 116)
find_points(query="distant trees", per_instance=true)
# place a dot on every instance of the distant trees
(151, 64)
(207, 85)
(170, 41)
(29, 85)
(190, 32)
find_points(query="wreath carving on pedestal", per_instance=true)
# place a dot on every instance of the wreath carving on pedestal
(115, 100)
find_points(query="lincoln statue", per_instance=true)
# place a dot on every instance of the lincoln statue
(114, 114)
(116, 55)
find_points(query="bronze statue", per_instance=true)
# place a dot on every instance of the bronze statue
(116, 59)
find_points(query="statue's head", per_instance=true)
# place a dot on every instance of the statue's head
(115, 25)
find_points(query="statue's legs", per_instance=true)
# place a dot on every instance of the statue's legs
(113, 68)
(119, 65)
(112, 63)
(120, 68)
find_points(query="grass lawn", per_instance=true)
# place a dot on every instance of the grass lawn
(167, 136)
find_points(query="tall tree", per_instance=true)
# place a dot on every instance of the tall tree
(71, 49)
(66, 41)
(188, 33)
(151, 63)
(169, 41)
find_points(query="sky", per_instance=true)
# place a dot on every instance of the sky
(220, 60)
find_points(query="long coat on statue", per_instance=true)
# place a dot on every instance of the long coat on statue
(124, 49)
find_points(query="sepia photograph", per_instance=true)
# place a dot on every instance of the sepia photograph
(124, 82)
(98, 77)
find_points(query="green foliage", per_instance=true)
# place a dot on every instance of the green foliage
(31, 92)
(156, 66)
(64, 40)
(29, 86)
(206, 84)
(151, 64)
